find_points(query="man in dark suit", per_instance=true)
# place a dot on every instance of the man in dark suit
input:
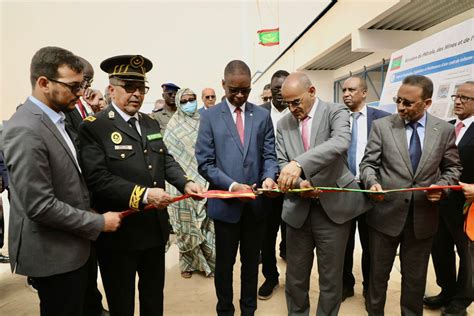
(235, 150)
(354, 92)
(51, 223)
(273, 219)
(126, 163)
(408, 149)
(311, 149)
(456, 292)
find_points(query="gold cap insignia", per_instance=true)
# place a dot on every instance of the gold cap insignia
(116, 138)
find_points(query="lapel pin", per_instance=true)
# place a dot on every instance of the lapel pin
(251, 114)
(116, 138)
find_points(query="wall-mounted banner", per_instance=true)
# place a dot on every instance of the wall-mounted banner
(446, 57)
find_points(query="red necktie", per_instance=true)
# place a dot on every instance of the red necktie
(82, 110)
(458, 128)
(304, 133)
(239, 124)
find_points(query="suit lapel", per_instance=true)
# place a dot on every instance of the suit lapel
(431, 138)
(400, 137)
(120, 123)
(318, 116)
(295, 135)
(468, 135)
(53, 129)
(248, 125)
(229, 122)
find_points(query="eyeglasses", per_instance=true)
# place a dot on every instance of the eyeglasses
(266, 99)
(183, 102)
(244, 91)
(74, 88)
(463, 98)
(210, 97)
(403, 101)
(293, 103)
(132, 87)
(87, 82)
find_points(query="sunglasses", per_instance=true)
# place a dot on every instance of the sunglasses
(266, 99)
(74, 88)
(463, 98)
(403, 101)
(293, 103)
(132, 87)
(210, 97)
(183, 102)
(244, 91)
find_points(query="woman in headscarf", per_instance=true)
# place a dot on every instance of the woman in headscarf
(194, 230)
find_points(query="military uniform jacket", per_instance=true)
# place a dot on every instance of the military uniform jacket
(118, 166)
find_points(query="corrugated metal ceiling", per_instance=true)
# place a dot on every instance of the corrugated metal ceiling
(417, 15)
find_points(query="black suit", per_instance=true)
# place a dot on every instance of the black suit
(73, 120)
(451, 233)
(273, 222)
(348, 279)
(118, 166)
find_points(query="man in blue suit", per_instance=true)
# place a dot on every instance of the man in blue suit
(235, 149)
(354, 92)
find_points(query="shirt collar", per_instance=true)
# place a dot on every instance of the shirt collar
(53, 115)
(233, 107)
(363, 111)
(467, 122)
(313, 109)
(421, 121)
(124, 115)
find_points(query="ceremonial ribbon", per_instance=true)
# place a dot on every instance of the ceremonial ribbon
(252, 194)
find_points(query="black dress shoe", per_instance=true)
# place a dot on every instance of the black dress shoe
(436, 302)
(347, 292)
(4, 259)
(267, 289)
(453, 310)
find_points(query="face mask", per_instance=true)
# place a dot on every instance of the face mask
(189, 108)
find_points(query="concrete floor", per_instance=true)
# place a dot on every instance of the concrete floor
(196, 296)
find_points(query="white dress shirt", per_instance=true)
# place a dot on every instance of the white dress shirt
(277, 115)
(361, 137)
(234, 114)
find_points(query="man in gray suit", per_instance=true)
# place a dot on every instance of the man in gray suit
(312, 148)
(51, 224)
(404, 150)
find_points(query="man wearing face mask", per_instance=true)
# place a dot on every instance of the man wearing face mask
(169, 95)
(126, 163)
(194, 229)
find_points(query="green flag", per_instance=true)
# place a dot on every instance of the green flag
(269, 37)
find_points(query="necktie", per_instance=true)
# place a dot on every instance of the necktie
(131, 122)
(240, 124)
(82, 109)
(458, 128)
(415, 146)
(352, 153)
(304, 133)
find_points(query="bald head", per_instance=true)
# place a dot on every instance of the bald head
(208, 97)
(299, 93)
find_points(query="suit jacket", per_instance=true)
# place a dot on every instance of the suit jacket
(324, 164)
(387, 162)
(452, 208)
(73, 120)
(222, 159)
(267, 105)
(118, 166)
(372, 115)
(51, 224)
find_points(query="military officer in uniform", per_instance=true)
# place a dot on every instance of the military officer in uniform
(126, 163)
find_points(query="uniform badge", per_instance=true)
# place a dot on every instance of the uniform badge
(90, 118)
(154, 136)
(116, 137)
(111, 114)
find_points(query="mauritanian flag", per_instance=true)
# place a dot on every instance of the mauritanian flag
(269, 37)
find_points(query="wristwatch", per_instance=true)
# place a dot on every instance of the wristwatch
(297, 164)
